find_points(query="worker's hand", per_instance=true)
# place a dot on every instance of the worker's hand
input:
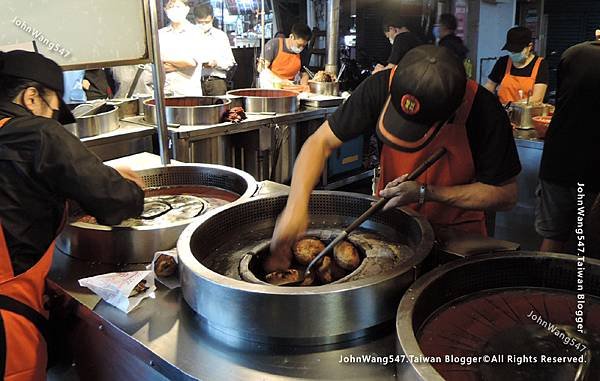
(291, 225)
(400, 192)
(304, 79)
(210, 64)
(131, 175)
(169, 68)
(378, 68)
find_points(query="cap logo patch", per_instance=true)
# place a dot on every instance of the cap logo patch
(410, 104)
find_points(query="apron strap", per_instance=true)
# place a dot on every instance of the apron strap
(508, 67)
(4, 121)
(12, 305)
(23, 310)
(536, 68)
(391, 78)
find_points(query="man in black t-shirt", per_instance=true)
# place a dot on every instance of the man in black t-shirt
(399, 33)
(571, 147)
(423, 104)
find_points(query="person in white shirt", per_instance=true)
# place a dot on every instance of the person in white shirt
(181, 55)
(215, 45)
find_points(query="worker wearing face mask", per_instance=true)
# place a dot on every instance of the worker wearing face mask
(181, 54)
(281, 63)
(521, 74)
(218, 52)
(41, 166)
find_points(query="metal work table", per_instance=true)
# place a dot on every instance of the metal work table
(164, 339)
(254, 121)
(127, 140)
(262, 145)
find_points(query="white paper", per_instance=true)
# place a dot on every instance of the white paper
(172, 281)
(269, 80)
(115, 288)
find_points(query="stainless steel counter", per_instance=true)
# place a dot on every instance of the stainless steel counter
(254, 121)
(129, 139)
(164, 339)
(265, 146)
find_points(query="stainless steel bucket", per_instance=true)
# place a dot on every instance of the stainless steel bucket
(189, 111)
(263, 100)
(324, 88)
(106, 120)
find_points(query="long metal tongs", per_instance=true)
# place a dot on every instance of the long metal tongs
(374, 209)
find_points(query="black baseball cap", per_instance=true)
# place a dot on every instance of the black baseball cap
(517, 39)
(37, 68)
(427, 88)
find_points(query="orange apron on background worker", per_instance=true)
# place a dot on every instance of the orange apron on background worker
(23, 319)
(454, 168)
(508, 91)
(286, 65)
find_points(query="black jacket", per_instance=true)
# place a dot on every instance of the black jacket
(455, 43)
(570, 153)
(41, 166)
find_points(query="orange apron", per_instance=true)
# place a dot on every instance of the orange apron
(454, 168)
(23, 319)
(286, 65)
(511, 84)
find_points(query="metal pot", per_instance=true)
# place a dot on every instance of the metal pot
(115, 244)
(104, 121)
(521, 113)
(444, 288)
(263, 100)
(210, 259)
(127, 106)
(189, 111)
(324, 88)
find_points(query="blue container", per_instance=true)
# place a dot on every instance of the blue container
(346, 158)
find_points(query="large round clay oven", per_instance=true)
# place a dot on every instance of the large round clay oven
(212, 185)
(213, 257)
(503, 317)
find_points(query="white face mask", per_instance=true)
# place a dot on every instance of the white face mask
(296, 49)
(204, 27)
(178, 14)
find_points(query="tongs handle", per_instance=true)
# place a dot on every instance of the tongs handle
(376, 207)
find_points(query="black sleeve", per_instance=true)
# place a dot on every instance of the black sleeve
(497, 73)
(543, 75)
(491, 140)
(359, 114)
(75, 172)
